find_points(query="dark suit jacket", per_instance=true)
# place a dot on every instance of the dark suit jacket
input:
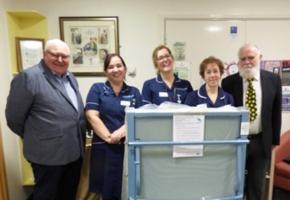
(39, 111)
(271, 105)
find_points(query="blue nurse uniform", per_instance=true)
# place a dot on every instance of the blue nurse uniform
(200, 97)
(106, 164)
(155, 91)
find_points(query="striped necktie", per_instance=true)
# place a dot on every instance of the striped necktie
(251, 100)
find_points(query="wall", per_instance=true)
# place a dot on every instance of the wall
(140, 31)
(9, 140)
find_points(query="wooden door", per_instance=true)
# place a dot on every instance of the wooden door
(3, 180)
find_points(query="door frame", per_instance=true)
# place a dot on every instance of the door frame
(3, 177)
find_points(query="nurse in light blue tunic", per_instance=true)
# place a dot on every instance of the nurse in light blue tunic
(166, 86)
(210, 93)
(105, 110)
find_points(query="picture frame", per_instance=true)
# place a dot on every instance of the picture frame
(29, 52)
(90, 39)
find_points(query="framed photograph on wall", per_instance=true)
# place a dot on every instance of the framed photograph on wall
(29, 51)
(90, 39)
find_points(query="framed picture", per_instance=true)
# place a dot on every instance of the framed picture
(90, 39)
(29, 51)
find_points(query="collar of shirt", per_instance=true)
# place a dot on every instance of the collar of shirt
(68, 86)
(255, 78)
(108, 90)
(62, 79)
(160, 80)
(202, 93)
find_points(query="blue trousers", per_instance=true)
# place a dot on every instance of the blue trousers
(56, 182)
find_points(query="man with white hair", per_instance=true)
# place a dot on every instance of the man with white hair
(260, 92)
(45, 109)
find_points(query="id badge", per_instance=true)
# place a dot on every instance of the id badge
(163, 94)
(125, 103)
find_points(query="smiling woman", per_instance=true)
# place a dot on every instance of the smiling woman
(105, 111)
(210, 93)
(167, 86)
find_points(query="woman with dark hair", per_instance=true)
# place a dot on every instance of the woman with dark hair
(105, 111)
(211, 70)
(166, 86)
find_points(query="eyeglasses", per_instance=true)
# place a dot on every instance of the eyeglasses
(163, 57)
(249, 58)
(57, 55)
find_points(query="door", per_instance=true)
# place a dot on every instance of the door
(3, 180)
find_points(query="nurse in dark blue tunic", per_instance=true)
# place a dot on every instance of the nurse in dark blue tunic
(105, 110)
(210, 93)
(166, 86)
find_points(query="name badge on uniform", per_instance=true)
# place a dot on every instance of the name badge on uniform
(125, 103)
(163, 94)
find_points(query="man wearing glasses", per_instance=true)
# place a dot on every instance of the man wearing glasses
(260, 92)
(45, 109)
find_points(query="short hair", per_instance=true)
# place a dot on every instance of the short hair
(55, 42)
(109, 58)
(249, 45)
(209, 60)
(155, 52)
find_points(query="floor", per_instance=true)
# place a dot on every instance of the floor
(279, 194)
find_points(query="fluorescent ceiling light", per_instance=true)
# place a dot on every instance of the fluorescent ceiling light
(214, 28)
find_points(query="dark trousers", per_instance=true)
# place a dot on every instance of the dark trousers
(56, 182)
(256, 166)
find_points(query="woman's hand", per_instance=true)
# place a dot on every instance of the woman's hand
(118, 135)
(98, 126)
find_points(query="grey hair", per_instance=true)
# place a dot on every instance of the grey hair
(249, 45)
(55, 42)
